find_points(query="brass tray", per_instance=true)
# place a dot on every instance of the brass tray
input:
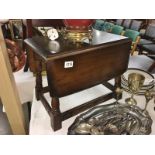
(112, 119)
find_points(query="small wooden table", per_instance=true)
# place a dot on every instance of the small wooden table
(72, 67)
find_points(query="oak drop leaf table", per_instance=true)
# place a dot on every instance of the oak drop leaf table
(72, 67)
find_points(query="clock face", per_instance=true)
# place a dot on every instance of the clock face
(52, 34)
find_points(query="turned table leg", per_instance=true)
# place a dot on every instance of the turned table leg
(56, 121)
(117, 85)
(39, 86)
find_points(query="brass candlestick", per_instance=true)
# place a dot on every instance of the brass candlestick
(135, 82)
(148, 97)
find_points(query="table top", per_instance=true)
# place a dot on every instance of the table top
(46, 48)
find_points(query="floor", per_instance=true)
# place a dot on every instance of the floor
(4, 124)
(5, 128)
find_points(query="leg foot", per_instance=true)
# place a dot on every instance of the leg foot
(37, 94)
(56, 120)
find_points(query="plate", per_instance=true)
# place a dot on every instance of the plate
(148, 83)
(125, 82)
(149, 78)
(143, 88)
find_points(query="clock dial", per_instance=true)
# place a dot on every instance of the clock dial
(52, 34)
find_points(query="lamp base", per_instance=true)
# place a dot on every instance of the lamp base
(78, 36)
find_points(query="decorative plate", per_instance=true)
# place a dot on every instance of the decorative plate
(112, 119)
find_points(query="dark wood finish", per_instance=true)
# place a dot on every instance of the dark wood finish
(38, 79)
(85, 106)
(48, 22)
(43, 47)
(85, 76)
(45, 89)
(108, 85)
(30, 23)
(106, 57)
(55, 114)
(30, 63)
(45, 104)
(29, 109)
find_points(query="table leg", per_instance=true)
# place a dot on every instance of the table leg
(117, 85)
(56, 120)
(39, 86)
